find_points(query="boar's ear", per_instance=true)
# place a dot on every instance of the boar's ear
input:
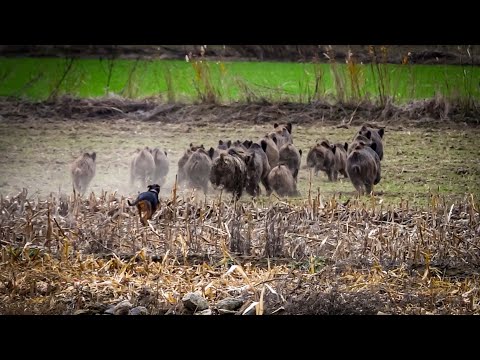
(165, 152)
(202, 147)
(229, 143)
(373, 146)
(289, 127)
(191, 145)
(274, 138)
(300, 151)
(381, 132)
(211, 151)
(325, 143)
(220, 142)
(345, 146)
(368, 134)
(264, 145)
(275, 125)
(247, 143)
(334, 148)
(93, 156)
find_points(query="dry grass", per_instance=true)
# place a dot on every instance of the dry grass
(66, 255)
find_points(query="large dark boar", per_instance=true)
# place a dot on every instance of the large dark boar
(142, 167)
(363, 167)
(290, 156)
(230, 172)
(375, 135)
(282, 182)
(257, 169)
(197, 169)
(161, 166)
(321, 157)
(82, 171)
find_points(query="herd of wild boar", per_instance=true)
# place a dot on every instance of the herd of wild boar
(273, 160)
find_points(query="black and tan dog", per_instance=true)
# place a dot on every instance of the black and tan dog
(147, 203)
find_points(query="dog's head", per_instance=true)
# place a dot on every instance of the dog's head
(154, 188)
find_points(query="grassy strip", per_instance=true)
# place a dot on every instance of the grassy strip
(200, 80)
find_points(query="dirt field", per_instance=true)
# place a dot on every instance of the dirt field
(411, 249)
(38, 143)
(419, 54)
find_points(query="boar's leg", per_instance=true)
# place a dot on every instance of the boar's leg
(335, 175)
(265, 183)
(330, 175)
(368, 188)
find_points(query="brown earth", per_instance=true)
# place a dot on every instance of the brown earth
(419, 54)
(39, 140)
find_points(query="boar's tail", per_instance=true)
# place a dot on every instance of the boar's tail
(356, 169)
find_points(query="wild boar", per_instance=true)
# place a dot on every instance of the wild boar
(82, 171)
(282, 182)
(363, 167)
(142, 167)
(321, 157)
(183, 160)
(257, 169)
(271, 149)
(283, 134)
(290, 156)
(229, 172)
(340, 152)
(375, 135)
(161, 165)
(197, 169)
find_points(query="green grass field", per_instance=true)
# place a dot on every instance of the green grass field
(39, 78)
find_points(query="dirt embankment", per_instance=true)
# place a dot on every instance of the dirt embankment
(417, 113)
(419, 54)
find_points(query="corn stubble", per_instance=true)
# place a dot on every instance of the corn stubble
(63, 254)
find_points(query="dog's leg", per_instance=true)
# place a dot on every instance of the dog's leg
(139, 207)
(148, 212)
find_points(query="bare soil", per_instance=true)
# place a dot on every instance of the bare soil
(426, 147)
(419, 54)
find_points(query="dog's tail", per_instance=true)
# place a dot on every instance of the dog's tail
(132, 204)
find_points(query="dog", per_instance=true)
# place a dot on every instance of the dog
(147, 203)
